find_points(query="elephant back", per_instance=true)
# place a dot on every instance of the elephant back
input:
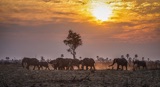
(88, 61)
(33, 61)
(75, 62)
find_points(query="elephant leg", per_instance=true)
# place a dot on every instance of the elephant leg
(67, 68)
(144, 67)
(126, 67)
(55, 67)
(138, 67)
(42, 67)
(34, 67)
(78, 67)
(48, 68)
(122, 67)
(82, 67)
(94, 68)
(45, 68)
(86, 67)
(91, 68)
(117, 66)
(72, 68)
(38, 67)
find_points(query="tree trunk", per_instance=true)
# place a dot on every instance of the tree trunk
(74, 54)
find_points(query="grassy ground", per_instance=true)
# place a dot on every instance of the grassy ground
(16, 76)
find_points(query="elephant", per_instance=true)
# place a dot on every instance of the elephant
(74, 62)
(157, 64)
(44, 64)
(139, 64)
(120, 61)
(88, 62)
(54, 64)
(66, 63)
(63, 63)
(30, 62)
(25, 61)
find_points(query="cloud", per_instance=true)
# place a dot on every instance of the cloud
(130, 18)
(144, 32)
(37, 10)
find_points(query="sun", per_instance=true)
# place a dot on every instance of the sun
(100, 11)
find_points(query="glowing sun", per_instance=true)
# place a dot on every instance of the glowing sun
(101, 11)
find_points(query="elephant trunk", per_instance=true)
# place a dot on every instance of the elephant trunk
(112, 63)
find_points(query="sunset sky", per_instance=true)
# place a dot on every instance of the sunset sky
(109, 28)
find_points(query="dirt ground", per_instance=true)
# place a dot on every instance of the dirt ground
(16, 76)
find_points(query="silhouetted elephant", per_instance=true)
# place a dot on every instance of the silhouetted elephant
(30, 62)
(63, 64)
(75, 62)
(120, 62)
(157, 64)
(88, 62)
(44, 64)
(54, 64)
(139, 64)
(25, 61)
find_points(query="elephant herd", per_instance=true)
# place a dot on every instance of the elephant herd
(60, 63)
(86, 63)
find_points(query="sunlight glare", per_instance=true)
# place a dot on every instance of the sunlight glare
(101, 11)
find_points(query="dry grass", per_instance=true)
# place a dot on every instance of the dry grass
(16, 76)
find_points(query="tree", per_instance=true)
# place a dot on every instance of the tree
(62, 55)
(7, 58)
(73, 40)
(136, 55)
(42, 59)
(127, 55)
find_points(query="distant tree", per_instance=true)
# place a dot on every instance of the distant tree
(127, 55)
(136, 55)
(97, 57)
(62, 55)
(73, 40)
(80, 58)
(122, 56)
(142, 58)
(42, 59)
(148, 59)
(7, 58)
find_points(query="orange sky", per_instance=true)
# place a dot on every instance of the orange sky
(132, 27)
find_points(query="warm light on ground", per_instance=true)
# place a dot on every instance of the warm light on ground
(101, 11)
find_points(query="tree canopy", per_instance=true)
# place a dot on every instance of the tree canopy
(73, 40)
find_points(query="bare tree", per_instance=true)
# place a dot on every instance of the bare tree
(73, 40)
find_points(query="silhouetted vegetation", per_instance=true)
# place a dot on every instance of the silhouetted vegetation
(73, 40)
